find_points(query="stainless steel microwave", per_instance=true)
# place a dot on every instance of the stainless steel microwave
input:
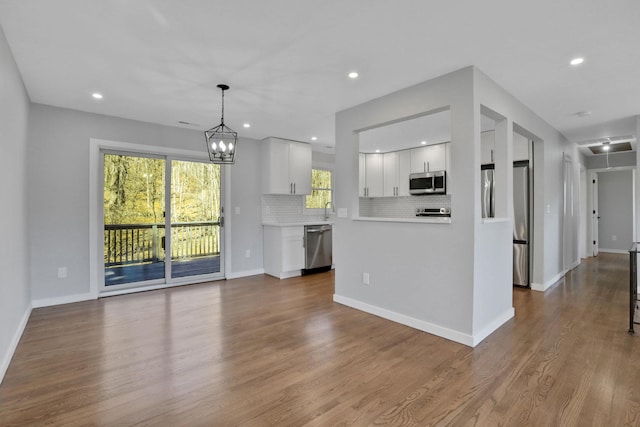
(428, 183)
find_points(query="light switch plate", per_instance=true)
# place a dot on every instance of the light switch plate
(342, 212)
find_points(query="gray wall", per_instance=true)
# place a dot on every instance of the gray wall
(450, 279)
(615, 205)
(15, 294)
(59, 193)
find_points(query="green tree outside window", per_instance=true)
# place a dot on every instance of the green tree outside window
(321, 190)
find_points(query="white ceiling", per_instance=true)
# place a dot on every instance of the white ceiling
(287, 60)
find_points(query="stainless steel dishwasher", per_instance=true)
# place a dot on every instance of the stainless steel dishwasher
(318, 248)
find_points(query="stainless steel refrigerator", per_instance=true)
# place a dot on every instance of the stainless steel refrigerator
(521, 227)
(487, 189)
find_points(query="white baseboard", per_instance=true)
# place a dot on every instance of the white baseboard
(547, 284)
(246, 273)
(440, 331)
(576, 263)
(492, 326)
(47, 302)
(6, 359)
(613, 251)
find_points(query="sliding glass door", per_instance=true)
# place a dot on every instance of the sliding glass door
(150, 239)
(196, 215)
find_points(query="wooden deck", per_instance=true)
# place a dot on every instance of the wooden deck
(150, 271)
(259, 351)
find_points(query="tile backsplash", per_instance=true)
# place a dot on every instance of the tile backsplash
(400, 207)
(286, 208)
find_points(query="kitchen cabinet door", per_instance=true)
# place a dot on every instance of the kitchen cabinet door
(390, 173)
(487, 147)
(275, 179)
(418, 159)
(300, 167)
(292, 248)
(520, 147)
(404, 169)
(286, 167)
(436, 157)
(374, 175)
(283, 251)
(362, 181)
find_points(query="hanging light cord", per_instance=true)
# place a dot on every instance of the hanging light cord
(222, 119)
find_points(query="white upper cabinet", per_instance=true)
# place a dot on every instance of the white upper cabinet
(396, 173)
(374, 181)
(390, 161)
(487, 147)
(362, 180)
(286, 167)
(520, 147)
(429, 158)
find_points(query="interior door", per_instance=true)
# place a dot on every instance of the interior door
(595, 214)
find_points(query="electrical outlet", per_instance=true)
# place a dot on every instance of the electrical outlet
(247, 253)
(237, 210)
(62, 272)
(365, 278)
(614, 237)
(548, 208)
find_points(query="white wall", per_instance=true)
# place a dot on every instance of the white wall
(549, 146)
(439, 277)
(59, 193)
(420, 274)
(15, 293)
(615, 206)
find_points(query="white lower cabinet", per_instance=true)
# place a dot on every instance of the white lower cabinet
(283, 251)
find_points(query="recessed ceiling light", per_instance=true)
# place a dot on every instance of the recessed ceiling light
(577, 61)
(314, 138)
(605, 146)
(424, 143)
(247, 125)
(353, 75)
(377, 151)
(583, 113)
(97, 95)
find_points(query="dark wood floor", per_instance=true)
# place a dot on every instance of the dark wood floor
(260, 351)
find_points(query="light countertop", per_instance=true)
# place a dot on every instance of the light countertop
(294, 224)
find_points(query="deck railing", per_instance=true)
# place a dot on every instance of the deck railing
(142, 243)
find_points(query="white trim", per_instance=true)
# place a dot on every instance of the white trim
(68, 299)
(126, 291)
(421, 325)
(13, 345)
(548, 284)
(492, 326)
(613, 251)
(246, 273)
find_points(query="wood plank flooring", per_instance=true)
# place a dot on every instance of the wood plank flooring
(263, 352)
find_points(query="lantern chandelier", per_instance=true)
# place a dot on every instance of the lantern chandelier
(221, 140)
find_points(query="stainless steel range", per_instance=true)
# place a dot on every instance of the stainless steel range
(433, 212)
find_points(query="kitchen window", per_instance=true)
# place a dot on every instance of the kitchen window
(321, 189)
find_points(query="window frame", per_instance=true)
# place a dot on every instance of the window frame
(316, 211)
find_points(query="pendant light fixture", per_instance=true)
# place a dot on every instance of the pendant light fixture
(221, 140)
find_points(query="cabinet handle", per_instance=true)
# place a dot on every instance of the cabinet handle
(424, 166)
(428, 167)
(492, 155)
(294, 188)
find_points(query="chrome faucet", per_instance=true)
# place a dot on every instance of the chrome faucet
(326, 216)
